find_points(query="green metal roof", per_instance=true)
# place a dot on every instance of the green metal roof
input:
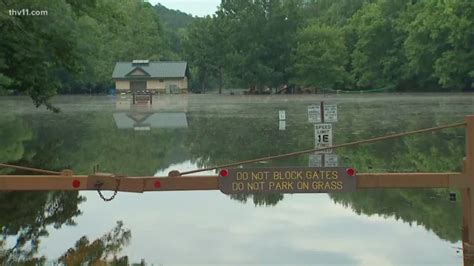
(161, 69)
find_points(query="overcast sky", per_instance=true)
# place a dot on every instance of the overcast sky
(194, 7)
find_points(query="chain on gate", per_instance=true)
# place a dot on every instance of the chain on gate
(99, 184)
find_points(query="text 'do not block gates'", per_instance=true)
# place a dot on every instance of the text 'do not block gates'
(288, 180)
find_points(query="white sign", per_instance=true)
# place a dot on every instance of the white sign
(330, 113)
(315, 160)
(314, 114)
(282, 114)
(323, 137)
(282, 125)
(331, 160)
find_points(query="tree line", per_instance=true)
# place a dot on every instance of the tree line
(388, 45)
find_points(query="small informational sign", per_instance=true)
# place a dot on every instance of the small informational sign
(282, 114)
(282, 125)
(331, 160)
(330, 113)
(315, 160)
(287, 180)
(314, 114)
(323, 137)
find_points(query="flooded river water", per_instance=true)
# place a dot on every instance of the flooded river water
(367, 227)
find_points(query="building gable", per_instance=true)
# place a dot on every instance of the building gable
(138, 71)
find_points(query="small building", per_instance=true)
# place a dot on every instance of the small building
(156, 77)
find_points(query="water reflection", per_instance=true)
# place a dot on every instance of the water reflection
(27, 215)
(102, 251)
(144, 117)
(205, 134)
(14, 134)
(147, 121)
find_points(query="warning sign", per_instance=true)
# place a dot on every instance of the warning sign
(330, 113)
(314, 114)
(287, 180)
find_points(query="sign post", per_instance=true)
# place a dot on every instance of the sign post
(325, 114)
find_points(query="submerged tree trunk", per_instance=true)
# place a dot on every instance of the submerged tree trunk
(203, 82)
(221, 80)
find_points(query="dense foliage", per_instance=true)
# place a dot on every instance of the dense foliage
(73, 48)
(386, 45)
(174, 23)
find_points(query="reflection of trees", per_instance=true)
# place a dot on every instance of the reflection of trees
(77, 140)
(218, 139)
(81, 140)
(13, 135)
(430, 152)
(259, 199)
(26, 215)
(102, 251)
(427, 207)
(215, 140)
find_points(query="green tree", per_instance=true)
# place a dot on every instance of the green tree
(378, 60)
(440, 43)
(35, 48)
(321, 57)
(199, 47)
(260, 37)
(74, 48)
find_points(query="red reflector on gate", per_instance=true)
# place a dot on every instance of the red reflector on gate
(350, 172)
(223, 172)
(157, 184)
(76, 183)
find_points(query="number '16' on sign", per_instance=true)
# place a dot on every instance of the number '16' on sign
(323, 136)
